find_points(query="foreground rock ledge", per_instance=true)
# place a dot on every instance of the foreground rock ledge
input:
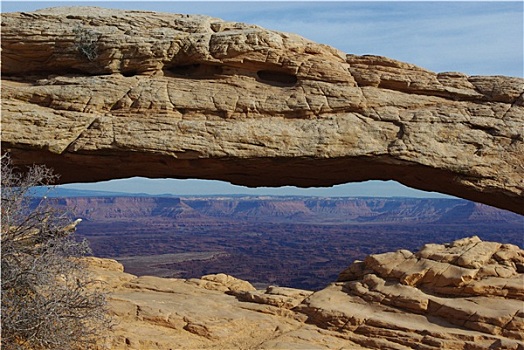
(101, 94)
(468, 294)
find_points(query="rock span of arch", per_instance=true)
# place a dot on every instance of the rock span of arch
(102, 94)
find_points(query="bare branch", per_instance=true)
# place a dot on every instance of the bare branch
(49, 301)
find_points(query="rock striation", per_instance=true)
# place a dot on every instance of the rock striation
(101, 94)
(468, 294)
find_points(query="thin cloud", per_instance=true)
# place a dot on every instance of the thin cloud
(475, 38)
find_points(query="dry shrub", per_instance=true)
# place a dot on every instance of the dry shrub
(49, 301)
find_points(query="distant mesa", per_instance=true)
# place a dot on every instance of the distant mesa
(289, 209)
(298, 242)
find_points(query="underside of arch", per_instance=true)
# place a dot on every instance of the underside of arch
(256, 172)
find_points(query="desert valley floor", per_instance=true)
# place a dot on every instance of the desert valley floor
(298, 242)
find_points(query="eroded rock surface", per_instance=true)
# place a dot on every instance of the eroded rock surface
(467, 294)
(101, 94)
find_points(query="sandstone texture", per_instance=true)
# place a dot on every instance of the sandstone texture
(468, 294)
(101, 94)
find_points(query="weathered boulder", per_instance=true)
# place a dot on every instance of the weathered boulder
(282, 297)
(470, 283)
(374, 305)
(102, 94)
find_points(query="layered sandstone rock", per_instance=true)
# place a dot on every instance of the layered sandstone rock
(156, 313)
(467, 294)
(100, 94)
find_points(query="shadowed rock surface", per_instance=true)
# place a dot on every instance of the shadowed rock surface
(468, 294)
(102, 94)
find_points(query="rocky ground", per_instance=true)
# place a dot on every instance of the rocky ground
(468, 294)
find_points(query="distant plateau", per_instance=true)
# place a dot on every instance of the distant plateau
(300, 242)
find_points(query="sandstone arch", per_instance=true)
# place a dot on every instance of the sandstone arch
(168, 95)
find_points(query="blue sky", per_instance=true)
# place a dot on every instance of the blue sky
(473, 37)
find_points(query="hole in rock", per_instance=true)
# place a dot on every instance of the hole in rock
(130, 73)
(277, 78)
(287, 236)
(197, 70)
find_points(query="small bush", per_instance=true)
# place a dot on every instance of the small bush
(86, 42)
(48, 300)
